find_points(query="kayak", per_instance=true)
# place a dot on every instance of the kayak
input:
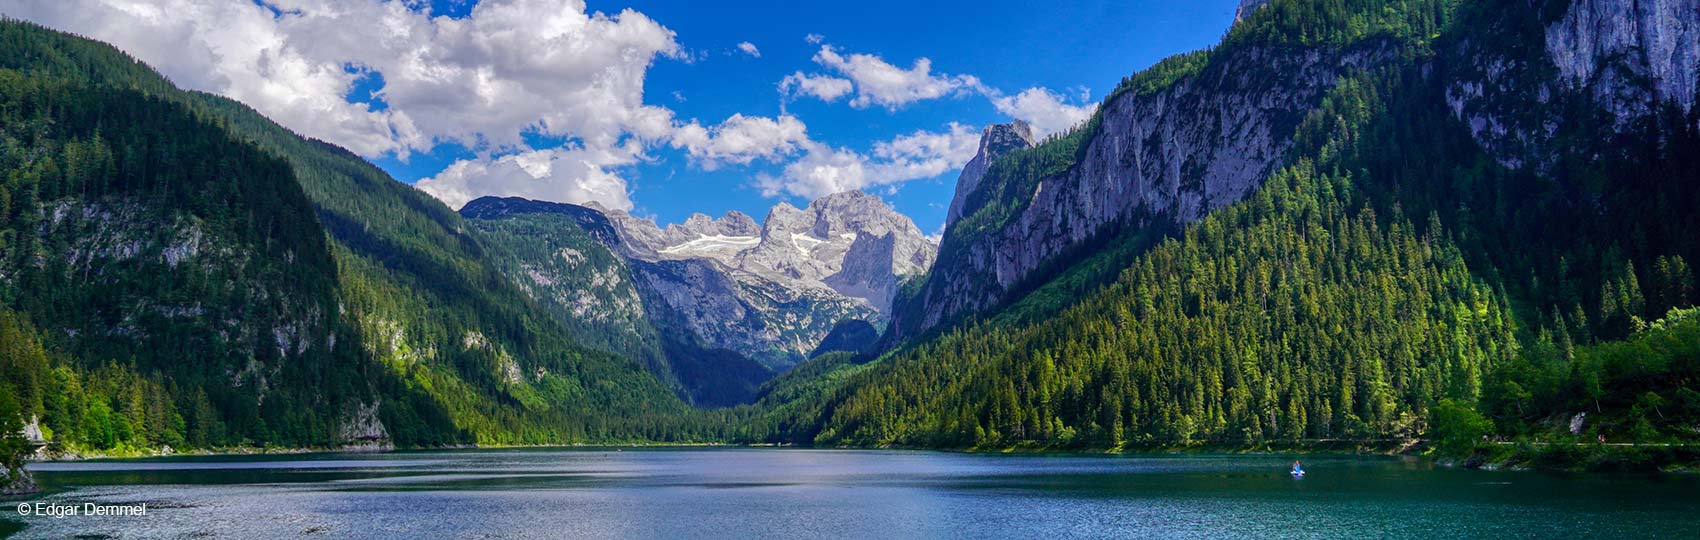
(1298, 474)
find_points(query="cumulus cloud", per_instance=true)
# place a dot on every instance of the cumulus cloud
(567, 174)
(741, 139)
(825, 87)
(824, 170)
(749, 49)
(509, 68)
(1047, 111)
(878, 82)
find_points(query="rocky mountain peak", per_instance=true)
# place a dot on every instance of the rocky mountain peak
(999, 139)
(854, 212)
(816, 247)
(996, 141)
(800, 248)
(784, 217)
(734, 223)
(1247, 7)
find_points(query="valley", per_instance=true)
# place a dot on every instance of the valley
(1461, 229)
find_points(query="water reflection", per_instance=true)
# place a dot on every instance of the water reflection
(741, 493)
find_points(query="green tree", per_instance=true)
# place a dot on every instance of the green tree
(1456, 429)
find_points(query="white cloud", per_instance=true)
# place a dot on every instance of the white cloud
(814, 39)
(1047, 111)
(566, 174)
(878, 82)
(510, 67)
(824, 170)
(741, 139)
(825, 87)
(513, 67)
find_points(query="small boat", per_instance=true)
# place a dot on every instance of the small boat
(1298, 473)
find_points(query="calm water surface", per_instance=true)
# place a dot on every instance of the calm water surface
(763, 493)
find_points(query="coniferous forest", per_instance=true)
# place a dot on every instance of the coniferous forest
(178, 271)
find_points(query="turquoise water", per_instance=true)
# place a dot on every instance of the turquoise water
(774, 493)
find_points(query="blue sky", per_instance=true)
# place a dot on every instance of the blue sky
(636, 108)
(1064, 45)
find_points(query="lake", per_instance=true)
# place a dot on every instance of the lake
(786, 493)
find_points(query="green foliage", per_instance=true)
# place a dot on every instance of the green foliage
(1642, 389)
(1194, 341)
(1332, 25)
(1457, 429)
(1391, 271)
(156, 242)
(311, 241)
(1323, 23)
(1295, 314)
(13, 447)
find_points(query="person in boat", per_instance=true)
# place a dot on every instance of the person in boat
(1297, 470)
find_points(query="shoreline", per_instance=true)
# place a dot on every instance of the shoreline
(1498, 456)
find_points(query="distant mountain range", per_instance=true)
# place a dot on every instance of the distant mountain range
(726, 288)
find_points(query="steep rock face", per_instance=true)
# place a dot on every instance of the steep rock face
(1623, 50)
(766, 321)
(866, 272)
(808, 248)
(817, 246)
(721, 287)
(1627, 58)
(1246, 7)
(572, 260)
(362, 430)
(568, 258)
(1172, 155)
(995, 141)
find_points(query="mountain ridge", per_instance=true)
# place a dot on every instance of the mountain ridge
(715, 288)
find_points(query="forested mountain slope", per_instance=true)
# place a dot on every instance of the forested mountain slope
(1364, 220)
(1492, 187)
(1191, 134)
(573, 261)
(324, 302)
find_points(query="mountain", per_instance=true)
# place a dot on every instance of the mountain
(568, 258)
(850, 243)
(1159, 151)
(996, 141)
(801, 272)
(854, 336)
(179, 271)
(1371, 221)
(1343, 218)
(1246, 8)
(693, 299)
